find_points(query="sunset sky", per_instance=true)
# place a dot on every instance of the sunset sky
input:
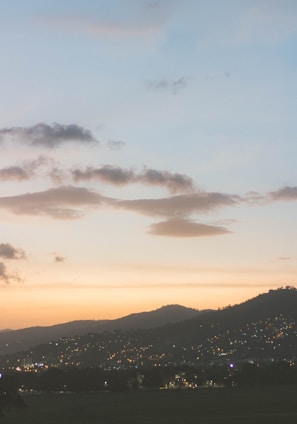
(148, 155)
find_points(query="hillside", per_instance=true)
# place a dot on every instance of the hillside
(278, 302)
(18, 340)
(261, 329)
(159, 317)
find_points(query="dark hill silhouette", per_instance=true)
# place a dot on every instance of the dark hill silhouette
(13, 341)
(169, 325)
(17, 340)
(152, 319)
(281, 301)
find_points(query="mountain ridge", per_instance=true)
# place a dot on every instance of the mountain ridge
(263, 328)
(178, 325)
(12, 341)
(274, 302)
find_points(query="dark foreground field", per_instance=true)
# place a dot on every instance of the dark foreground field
(241, 406)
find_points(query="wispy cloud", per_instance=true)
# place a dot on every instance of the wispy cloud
(283, 259)
(221, 75)
(180, 205)
(172, 86)
(285, 194)
(7, 251)
(65, 202)
(185, 228)
(71, 202)
(174, 182)
(14, 173)
(111, 174)
(46, 167)
(115, 144)
(254, 198)
(59, 259)
(25, 170)
(48, 136)
(118, 176)
(6, 277)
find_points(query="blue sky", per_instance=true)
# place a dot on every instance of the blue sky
(148, 155)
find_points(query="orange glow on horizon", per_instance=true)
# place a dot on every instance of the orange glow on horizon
(34, 309)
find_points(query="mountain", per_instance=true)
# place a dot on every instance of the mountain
(17, 340)
(263, 328)
(157, 318)
(275, 303)
(265, 310)
(12, 341)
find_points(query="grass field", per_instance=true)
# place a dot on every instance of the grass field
(273, 405)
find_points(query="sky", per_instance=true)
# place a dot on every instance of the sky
(148, 155)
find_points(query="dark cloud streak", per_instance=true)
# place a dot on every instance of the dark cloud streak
(181, 205)
(68, 202)
(174, 182)
(14, 173)
(48, 136)
(9, 252)
(65, 202)
(118, 176)
(71, 202)
(115, 144)
(185, 228)
(7, 278)
(25, 170)
(172, 86)
(59, 259)
(285, 194)
(110, 174)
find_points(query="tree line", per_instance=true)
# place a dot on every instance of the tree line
(74, 379)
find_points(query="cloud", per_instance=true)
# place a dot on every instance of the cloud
(9, 252)
(41, 161)
(118, 176)
(180, 205)
(286, 194)
(69, 202)
(115, 144)
(6, 277)
(3, 274)
(25, 170)
(284, 259)
(185, 228)
(220, 75)
(57, 175)
(14, 173)
(48, 136)
(254, 198)
(48, 166)
(174, 182)
(111, 174)
(172, 86)
(59, 259)
(60, 203)
(42, 166)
